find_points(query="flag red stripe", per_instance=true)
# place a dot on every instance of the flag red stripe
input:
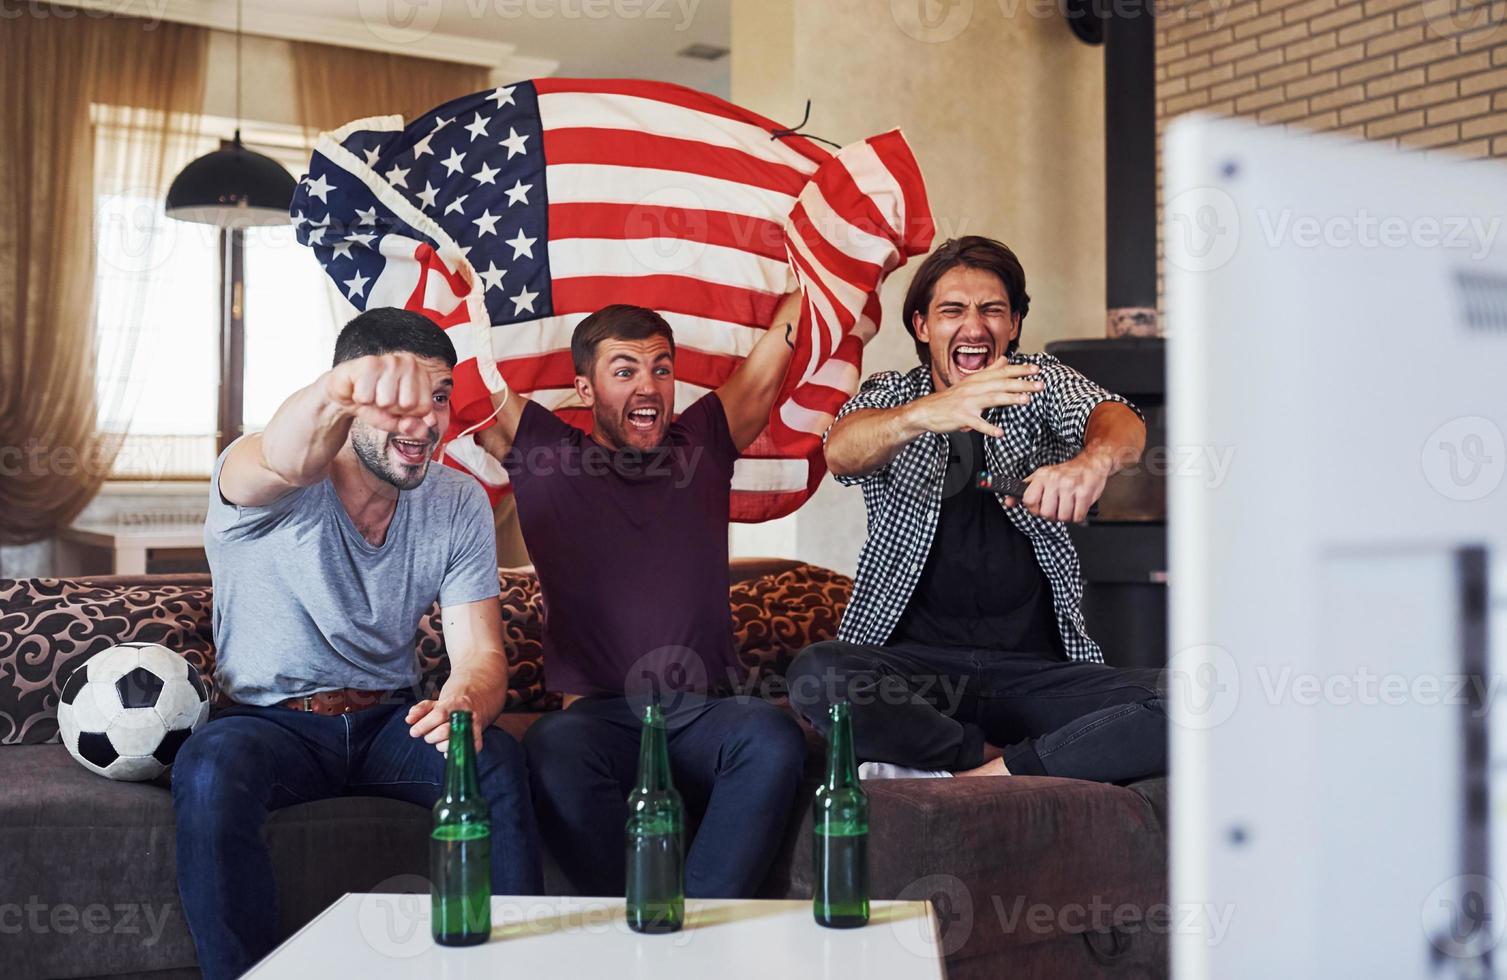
(624, 148)
(625, 221)
(855, 272)
(675, 294)
(686, 98)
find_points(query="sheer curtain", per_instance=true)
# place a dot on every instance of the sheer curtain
(62, 78)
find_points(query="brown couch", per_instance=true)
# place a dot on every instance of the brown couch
(1030, 876)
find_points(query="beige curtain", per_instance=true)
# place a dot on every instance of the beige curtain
(337, 85)
(55, 66)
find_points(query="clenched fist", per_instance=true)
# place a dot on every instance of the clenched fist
(396, 392)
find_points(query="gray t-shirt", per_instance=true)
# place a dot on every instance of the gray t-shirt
(303, 603)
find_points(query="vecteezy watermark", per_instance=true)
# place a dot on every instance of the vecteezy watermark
(1464, 917)
(1452, 18)
(149, 11)
(1367, 688)
(931, 21)
(1206, 920)
(36, 917)
(410, 21)
(1202, 684)
(1464, 458)
(394, 918)
(1364, 229)
(1204, 230)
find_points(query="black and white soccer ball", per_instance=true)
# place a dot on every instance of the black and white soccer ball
(125, 711)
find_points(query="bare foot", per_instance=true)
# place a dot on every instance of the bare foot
(994, 767)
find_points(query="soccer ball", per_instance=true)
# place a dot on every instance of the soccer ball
(125, 712)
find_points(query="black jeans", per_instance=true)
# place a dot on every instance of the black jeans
(935, 708)
(736, 762)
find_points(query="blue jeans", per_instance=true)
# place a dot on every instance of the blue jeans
(935, 708)
(736, 762)
(248, 761)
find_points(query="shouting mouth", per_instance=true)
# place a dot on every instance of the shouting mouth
(412, 451)
(644, 418)
(971, 358)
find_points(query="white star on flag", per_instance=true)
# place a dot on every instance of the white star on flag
(366, 216)
(317, 230)
(518, 193)
(487, 224)
(397, 176)
(440, 122)
(502, 96)
(371, 156)
(426, 196)
(319, 187)
(453, 164)
(356, 286)
(485, 175)
(455, 205)
(522, 245)
(342, 250)
(478, 126)
(492, 276)
(524, 300)
(514, 143)
(361, 238)
(422, 147)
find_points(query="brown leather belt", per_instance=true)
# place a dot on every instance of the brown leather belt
(338, 702)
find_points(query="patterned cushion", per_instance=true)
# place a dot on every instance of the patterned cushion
(50, 626)
(522, 607)
(776, 616)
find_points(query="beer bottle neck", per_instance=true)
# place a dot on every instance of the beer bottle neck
(654, 753)
(460, 761)
(842, 765)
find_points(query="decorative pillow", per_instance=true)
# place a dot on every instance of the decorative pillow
(50, 626)
(522, 638)
(776, 616)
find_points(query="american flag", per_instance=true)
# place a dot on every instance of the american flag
(508, 216)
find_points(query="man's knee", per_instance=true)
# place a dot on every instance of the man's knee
(561, 745)
(218, 769)
(771, 736)
(818, 676)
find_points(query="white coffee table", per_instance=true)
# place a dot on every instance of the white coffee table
(380, 936)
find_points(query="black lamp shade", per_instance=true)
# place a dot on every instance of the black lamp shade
(233, 188)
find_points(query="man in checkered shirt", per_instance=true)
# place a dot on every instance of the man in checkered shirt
(963, 649)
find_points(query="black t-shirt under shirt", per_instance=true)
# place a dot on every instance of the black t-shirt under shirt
(981, 587)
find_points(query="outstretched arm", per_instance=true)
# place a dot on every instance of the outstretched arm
(397, 392)
(478, 673)
(748, 396)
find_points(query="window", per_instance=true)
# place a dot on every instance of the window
(158, 302)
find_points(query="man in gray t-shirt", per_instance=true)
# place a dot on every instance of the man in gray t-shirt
(329, 535)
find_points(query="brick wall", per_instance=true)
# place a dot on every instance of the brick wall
(1424, 74)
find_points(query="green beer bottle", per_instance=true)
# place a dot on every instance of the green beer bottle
(460, 847)
(840, 833)
(656, 836)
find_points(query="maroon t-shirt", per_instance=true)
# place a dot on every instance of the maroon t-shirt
(631, 551)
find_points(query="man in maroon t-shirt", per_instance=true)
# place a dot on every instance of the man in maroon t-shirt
(627, 528)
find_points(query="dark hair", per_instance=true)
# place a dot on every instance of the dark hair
(975, 252)
(616, 322)
(387, 329)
